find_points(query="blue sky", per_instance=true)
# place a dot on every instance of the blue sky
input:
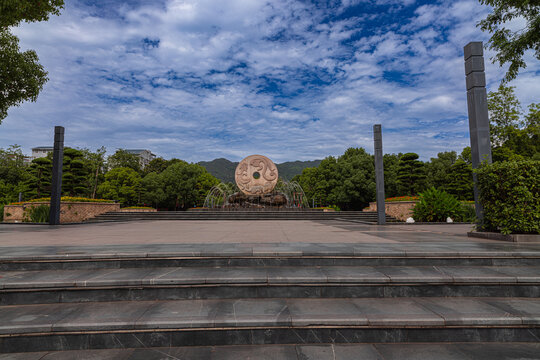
(293, 80)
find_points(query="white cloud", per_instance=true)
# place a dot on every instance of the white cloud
(204, 79)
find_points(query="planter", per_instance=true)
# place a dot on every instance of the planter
(70, 212)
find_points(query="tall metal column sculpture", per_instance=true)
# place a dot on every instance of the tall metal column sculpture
(478, 112)
(56, 184)
(379, 174)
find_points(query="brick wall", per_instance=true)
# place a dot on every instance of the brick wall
(70, 212)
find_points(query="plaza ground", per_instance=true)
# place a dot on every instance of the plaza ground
(222, 232)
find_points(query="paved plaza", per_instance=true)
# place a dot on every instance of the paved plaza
(283, 290)
(220, 232)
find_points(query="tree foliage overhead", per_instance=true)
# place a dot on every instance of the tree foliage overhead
(21, 75)
(513, 136)
(511, 45)
(121, 158)
(12, 12)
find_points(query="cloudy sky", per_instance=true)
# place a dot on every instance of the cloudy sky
(290, 79)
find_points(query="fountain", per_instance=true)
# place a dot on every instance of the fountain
(257, 187)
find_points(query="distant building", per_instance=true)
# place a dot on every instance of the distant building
(40, 151)
(145, 156)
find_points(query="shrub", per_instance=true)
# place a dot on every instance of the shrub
(38, 214)
(510, 195)
(468, 212)
(437, 205)
(1, 213)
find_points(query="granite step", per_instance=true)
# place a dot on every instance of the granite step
(368, 217)
(136, 324)
(169, 283)
(290, 254)
(435, 351)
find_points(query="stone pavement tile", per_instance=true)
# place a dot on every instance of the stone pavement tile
(261, 352)
(500, 351)
(475, 274)
(527, 308)
(356, 351)
(420, 352)
(224, 250)
(396, 311)
(278, 275)
(102, 315)
(357, 274)
(51, 278)
(469, 311)
(184, 275)
(276, 251)
(253, 312)
(378, 250)
(23, 356)
(179, 314)
(31, 318)
(328, 249)
(305, 312)
(315, 352)
(523, 274)
(127, 276)
(183, 353)
(236, 275)
(108, 354)
(425, 274)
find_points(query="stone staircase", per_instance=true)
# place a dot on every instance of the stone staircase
(357, 216)
(272, 301)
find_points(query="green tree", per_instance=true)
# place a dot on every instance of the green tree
(411, 175)
(391, 162)
(438, 169)
(183, 183)
(153, 190)
(121, 158)
(123, 184)
(354, 186)
(39, 181)
(460, 181)
(21, 75)
(314, 183)
(94, 162)
(514, 137)
(511, 45)
(504, 114)
(466, 155)
(157, 165)
(13, 174)
(74, 173)
(348, 181)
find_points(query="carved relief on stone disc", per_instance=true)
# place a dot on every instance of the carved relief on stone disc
(256, 175)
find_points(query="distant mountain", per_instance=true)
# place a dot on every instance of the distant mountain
(223, 169)
(290, 169)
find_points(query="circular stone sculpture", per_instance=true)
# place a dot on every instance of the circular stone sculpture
(256, 175)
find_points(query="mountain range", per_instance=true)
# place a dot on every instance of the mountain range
(223, 169)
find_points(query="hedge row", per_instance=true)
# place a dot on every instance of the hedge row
(510, 194)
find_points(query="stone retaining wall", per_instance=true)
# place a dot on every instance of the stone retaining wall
(401, 210)
(70, 212)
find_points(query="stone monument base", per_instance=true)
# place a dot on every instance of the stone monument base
(241, 200)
